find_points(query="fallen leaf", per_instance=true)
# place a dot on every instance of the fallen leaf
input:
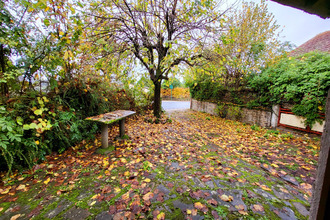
(147, 180)
(240, 207)
(212, 202)
(148, 196)
(188, 211)
(258, 208)
(243, 212)
(306, 168)
(226, 198)
(125, 196)
(5, 191)
(201, 207)
(264, 187)
(161, 216)
(306, 186)
(117, 190)
(93, 203)
(47, 181)
(15, 217)
(1, 209)
(21, 187)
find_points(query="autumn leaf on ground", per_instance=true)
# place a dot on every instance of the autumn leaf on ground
(161, 216)
(240, 207)
(258, 208)
(264, 187)
(147, 180)
(21, 187)
(5, 191)
(212, 202)
(1, 209)
(117, 190)
(47, 181)
(201, 207)
(148, 196)
(15, 217)
(226, 198)
(306, 186)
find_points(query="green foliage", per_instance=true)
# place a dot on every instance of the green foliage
(234, 112)
(255, 127)
(32, 126)
(302, 81)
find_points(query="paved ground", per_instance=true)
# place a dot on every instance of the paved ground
(176, 170)
(175, 105)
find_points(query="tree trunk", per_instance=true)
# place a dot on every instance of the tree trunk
(3, 86)
(157, 103)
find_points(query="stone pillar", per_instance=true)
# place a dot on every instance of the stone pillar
(275, 114)
(104, 135)
(122, 127)
(320, 205)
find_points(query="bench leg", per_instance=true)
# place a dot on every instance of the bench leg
(122, 127)
(104, 136)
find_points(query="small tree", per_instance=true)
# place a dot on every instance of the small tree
(160, 34)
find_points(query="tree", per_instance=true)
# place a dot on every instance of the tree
(161, 34)
(248, 44)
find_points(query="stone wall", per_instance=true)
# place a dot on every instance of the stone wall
(250, 116)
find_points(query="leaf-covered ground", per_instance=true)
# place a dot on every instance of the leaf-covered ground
(195, 167)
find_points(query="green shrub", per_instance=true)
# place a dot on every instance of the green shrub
(234, 112)
(303, 81)
(221, 110)
(34, 124)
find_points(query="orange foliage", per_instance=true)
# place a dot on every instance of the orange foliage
(177, 93)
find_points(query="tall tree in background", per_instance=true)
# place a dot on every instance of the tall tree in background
(161, 34)
(249, 43)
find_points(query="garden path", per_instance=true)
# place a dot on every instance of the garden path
(191, 168)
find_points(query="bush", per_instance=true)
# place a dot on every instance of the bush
(33, 125)
(303, 81)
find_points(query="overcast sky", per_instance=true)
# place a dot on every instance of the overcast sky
(298, 26)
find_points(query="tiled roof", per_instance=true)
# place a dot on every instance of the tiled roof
(320, 42)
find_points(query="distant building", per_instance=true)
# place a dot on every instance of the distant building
(320, 42)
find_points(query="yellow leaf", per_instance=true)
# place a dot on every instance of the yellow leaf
(226, 198)
(15, 217)
(188, 211)
(21, 187)
(125, 196)
(1, 209)
(93, 203)
(274, 165)
(5, 191)
(110, 168)
(95, 196)
(161, 216)
(126, 173)
(306, 168)
(47, 181)
(264, 187)
(147, 180)
(117, 190)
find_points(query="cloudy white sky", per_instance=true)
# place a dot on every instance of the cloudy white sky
(297, 25)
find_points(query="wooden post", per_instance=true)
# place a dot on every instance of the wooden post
(320, 205)
(104, 135)
(122, 127)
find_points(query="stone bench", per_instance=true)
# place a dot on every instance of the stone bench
(110, 118)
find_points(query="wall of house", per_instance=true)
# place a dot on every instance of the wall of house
(250, 116)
